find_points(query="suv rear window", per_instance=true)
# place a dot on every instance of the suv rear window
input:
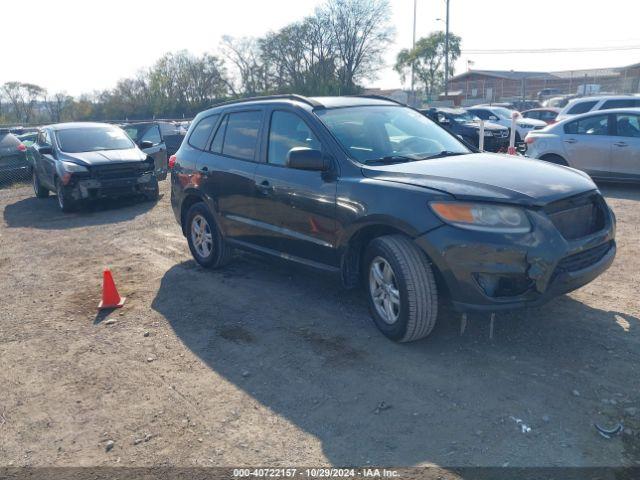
(241, 136)
(202, 131)
(620, 103)
(582, 107)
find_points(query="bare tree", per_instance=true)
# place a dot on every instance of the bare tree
(245, 56)
(23, 98)
(361, 31)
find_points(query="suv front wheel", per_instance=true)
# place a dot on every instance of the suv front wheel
(206, 243)
(401, 288)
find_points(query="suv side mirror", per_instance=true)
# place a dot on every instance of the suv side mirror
(146, 144)
(493, 118)
(45, 150)
(302, 158)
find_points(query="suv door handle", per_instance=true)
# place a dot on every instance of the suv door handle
(570, 140)
(621, 144)
(264, 188)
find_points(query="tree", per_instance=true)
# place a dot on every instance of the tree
(427, 59)
(23, 98)
(59, 106)
(361, 32)
(245, 55)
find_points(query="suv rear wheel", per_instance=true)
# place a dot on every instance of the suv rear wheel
(401, 288)
(38, 189)
(205, 241)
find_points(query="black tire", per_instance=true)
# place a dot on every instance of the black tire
(154, 194)
(415, 282)
(220, 253)
(553, 158)
(38, 189)
(65, 202)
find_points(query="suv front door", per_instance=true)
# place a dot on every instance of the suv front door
(588, 142)
(295, 208)
(157, 150)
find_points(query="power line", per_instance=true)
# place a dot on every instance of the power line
(552, 50)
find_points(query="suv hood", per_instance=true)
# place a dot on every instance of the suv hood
(493, 177)
(104, 156)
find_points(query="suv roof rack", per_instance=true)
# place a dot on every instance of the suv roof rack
(381, 97)
(287, 96)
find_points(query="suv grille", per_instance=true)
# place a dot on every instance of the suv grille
(117, 170)
(578, 216)
(584, 259)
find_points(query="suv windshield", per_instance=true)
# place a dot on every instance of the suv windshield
(502, 112)
(463, 116)
(394, 133)
(93, 139)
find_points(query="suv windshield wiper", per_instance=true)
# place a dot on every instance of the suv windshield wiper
(446, 153)
(393, 159)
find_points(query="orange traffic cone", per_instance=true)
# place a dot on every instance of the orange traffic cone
(110, 296)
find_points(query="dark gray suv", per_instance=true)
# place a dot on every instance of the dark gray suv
(382, 196)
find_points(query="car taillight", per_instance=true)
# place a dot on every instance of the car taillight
(172, 162)
(21, 147)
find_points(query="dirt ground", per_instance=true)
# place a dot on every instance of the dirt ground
(264, 363)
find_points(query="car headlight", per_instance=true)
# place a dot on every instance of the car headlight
(483, 217)
(73, 167)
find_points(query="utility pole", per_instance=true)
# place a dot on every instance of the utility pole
(446, 53)
(413, 76)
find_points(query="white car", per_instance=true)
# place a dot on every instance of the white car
(502, 116)
(605, 144)
(581, 105)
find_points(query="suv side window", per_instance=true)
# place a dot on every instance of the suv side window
(152, 135)
(288, 131)
(620, 103)
(627, 125)
(596, 125)
(482, 114)
(216, 145)
(582, 107)
(202, 131)
(241, 136)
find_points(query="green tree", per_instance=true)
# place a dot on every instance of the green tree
(428, 61)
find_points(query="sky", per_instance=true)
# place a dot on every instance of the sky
(82, 46)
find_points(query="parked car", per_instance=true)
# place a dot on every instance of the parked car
(460, 122)
(591, 104)
(148, 137)
(548, 92)
(380, 195)
(173, 134)
(502, 116)
(605, 144)
(82, 161)
(547, 115)
(13, 159)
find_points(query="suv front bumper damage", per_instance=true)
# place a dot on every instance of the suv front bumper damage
(92, 188)
(490, 272)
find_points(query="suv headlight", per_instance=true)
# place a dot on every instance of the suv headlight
(73, 167)
(483, 217)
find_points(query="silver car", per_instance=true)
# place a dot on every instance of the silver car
(605, 144)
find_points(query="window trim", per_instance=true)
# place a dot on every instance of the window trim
(257, 150)
(268, 137)
(209, 138)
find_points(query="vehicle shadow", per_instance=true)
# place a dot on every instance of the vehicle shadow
(306, 349)
(44, 213)
(620, 191)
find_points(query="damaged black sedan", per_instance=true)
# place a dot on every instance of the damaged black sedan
(84, 161)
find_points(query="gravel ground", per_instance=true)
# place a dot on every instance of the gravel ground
(264, 363)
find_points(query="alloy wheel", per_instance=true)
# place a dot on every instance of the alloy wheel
(384, 291)
(201, 236)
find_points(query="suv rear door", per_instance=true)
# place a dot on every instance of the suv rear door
(588, 142)
(295, 208)
(625, 151)
(227, 169)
